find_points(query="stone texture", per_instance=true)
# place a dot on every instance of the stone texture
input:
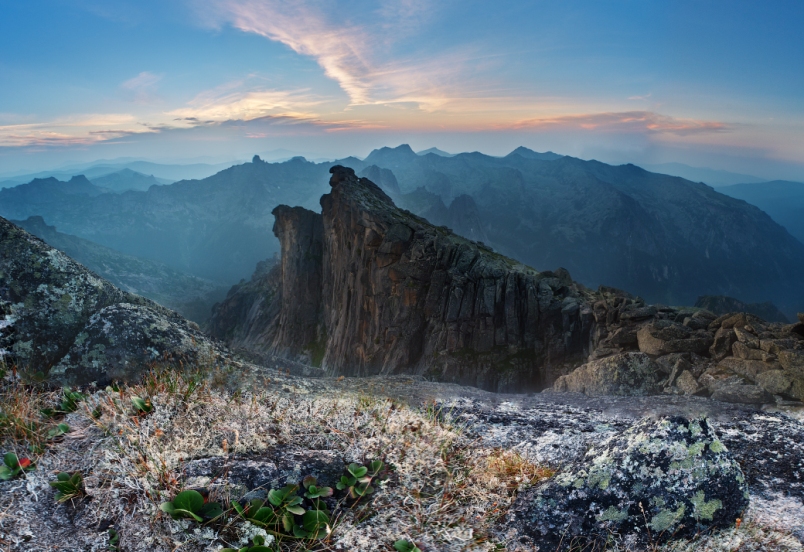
(687, 384)
(793, 362)
(122, 341)
(745, 368)
(742, 393)
(775, 382)
(722, 345)
(673, 474)
(626, 374)
(663, 337)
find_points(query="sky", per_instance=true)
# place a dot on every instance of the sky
(717, 83)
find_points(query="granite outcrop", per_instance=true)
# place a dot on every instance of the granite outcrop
(60, 321)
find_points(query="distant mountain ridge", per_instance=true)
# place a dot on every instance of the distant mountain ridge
(712, 177)
(781, 199)
(662, 237)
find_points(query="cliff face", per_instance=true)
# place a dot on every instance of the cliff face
(385, 292)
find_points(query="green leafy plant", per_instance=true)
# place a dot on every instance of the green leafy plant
(258, 541)
(13, 466)
(404, 545)
(114, 540)
(142, 406)
(190, 504)
(277, 512)
(68, 486)
(58, 431)
(357, 480)
(70, 400)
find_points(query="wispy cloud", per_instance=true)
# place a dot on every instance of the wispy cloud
(359, 57)
(71, 131)
(640, 98)
(142, 88)
(227, 103)
(630, 121)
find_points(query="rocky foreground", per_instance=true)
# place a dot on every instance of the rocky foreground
(466, 469)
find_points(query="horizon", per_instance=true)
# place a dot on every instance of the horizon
(225, 79)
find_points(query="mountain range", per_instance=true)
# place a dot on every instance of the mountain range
(665, 238)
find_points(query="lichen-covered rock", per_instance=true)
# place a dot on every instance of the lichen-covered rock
(122, 341)
(626, 374)
(48, 298)
(657, 481)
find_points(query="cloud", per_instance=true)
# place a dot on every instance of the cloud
(629, 121)
(142, 88)
(640, 98)
(361, 58)
(226, 104)
(71, 131)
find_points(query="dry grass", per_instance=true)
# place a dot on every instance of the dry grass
(445, 491)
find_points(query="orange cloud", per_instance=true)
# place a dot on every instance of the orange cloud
(629, 121)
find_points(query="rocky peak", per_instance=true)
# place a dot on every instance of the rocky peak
(400, 295)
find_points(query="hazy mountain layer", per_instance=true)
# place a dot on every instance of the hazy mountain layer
(782, 200)
(126, 179)
(190, 296)
(662, 237)
(217, 228)
(665, 238)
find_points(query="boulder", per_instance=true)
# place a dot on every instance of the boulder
(122, 341)
(625, 374)
(743, 351)
(723, 341)
(659, 480)
(742, 393)
(793, 362)
(746, 368)
(664, 336)
(775, 382)
(687, 384)
(773, 346)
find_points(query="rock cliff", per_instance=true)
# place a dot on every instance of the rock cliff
(385, 292)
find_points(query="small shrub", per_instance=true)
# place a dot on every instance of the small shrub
(13, 466)
(68, 486)
(57, 431)
(114, 540)
(190, 504)
(70, 400)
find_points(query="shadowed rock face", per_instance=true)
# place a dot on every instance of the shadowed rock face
(399, 295)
